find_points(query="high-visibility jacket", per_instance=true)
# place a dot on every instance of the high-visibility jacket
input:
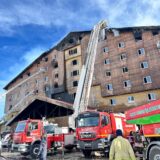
(121, 150)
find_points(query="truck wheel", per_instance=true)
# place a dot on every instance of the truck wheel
(34, 151)
(69, 148)
(24, 154)
(154, 153)
(86, 153)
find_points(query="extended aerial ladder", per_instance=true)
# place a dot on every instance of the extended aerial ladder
(83, 90)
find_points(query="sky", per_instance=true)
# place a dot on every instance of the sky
(30, 27)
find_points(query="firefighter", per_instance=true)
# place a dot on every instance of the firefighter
(9, 143)
(43, 148)
(121, 148)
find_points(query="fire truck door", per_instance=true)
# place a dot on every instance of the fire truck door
(118, 123)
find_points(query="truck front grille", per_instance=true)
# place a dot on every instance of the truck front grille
(87, 135)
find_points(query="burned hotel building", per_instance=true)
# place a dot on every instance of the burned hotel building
(126, 74)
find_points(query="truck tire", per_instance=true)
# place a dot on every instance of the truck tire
(154, 153)
(69, 148)
(87, 153)
(35, 151)
(24, 154)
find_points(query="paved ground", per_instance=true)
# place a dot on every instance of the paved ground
(74, 155)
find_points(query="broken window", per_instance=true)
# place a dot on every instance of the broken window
(125, 69)
(109, 87)
(151, 96)
(121, 45)
(55, 65)
(138, 36)
(108, 73)
(144, 65)
(127, 83)
(46, 59)
(28, 73)
(141, 51)
(147, 79)
(155, 32)
(56, 75)
(80, 38)
(55, 85)
(75, 73)
(75, 83)
(73, 51)
(74, 62)
(71, 40)
(36, 91)
(113, 102)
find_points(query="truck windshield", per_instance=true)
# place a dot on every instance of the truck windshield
(49, 129)
(20, 127)
(88, 121)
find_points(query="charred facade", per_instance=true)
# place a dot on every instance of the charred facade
(126, 71)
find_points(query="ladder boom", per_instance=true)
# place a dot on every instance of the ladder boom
(83, 90)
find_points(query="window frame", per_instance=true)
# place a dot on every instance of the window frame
(105, 50)
(152, 95)
(144, 63)
(121, 44)
(131, 99)
(145, 78)
(125, 69)
(113, 102)
(128, 82)
(75, 60)
(76, 83)
(107, 61)
(73, 51)
(109, 73)
(74, 73)
(109, 87)
(141, 51)
(121, 56)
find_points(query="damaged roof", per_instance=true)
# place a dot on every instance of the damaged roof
(59, 46)
(43, 107)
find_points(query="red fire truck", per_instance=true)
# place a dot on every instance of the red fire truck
(147, 140)
(28, 134)
(95, 130)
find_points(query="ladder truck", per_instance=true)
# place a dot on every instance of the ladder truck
(85, 81)
(94, 130)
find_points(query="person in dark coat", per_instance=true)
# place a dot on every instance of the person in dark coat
(43, 148)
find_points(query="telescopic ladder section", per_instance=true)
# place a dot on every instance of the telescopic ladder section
(85, 81)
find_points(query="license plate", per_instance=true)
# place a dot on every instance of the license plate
(87, 144)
